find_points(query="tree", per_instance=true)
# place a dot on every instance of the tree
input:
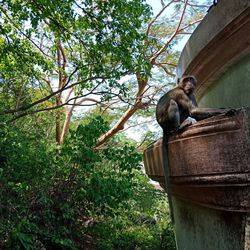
(75, 52)
(68, 50)
(162, 33)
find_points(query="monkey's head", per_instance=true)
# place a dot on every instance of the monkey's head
(188, 84)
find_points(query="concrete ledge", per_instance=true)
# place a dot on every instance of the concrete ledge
(215, 170)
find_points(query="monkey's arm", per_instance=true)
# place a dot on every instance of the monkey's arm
(194, 102)
(203, 113)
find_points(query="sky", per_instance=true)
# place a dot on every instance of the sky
(156, 5)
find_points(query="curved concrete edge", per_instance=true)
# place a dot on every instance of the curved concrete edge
(222, 38)
(222, 183)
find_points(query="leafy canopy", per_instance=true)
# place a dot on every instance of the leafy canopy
(99, 42)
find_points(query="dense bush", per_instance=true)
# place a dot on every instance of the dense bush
(74, 197)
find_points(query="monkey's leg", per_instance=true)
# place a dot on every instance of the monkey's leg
(173, 115)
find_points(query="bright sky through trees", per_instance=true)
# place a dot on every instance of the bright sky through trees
(156, 6)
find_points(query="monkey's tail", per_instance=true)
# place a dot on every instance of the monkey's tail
(165, 158)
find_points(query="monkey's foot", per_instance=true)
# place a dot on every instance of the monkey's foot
(188, 122)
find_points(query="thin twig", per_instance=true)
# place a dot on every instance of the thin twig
(16, 26)
(190, 24)
(197, 5)
(10, 111)
(163, 48)
(135, 125)
(159, 13)
(140, 144)
(170, 64)
(56, 107)
(165, 69)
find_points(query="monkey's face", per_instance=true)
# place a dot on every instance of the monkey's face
(189, 87)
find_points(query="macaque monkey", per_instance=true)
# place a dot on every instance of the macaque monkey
(176, 106)
(173, 112)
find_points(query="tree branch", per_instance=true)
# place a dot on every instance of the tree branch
(16, 26)
(159, 13)
(56, 107)
(197, 5)
(165, 69)
(189, 25)
(138, 104)
(170, 64)
(163, 48)
(135, 125)
(141, 143)
(11, 111)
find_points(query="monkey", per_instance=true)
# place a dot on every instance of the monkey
(173, 111)
(174, 107)
(177, 105)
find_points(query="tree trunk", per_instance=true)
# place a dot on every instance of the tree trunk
(65, 129)
(58, 116)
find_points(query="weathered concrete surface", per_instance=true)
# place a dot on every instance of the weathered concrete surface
(220, 40)
(209, 162)
(153, 162)
(247, 233)
(231, 89)
(199, 228)
(209, 182)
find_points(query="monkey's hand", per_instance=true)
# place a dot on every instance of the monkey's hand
(231, 112)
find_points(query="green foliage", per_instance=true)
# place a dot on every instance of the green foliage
(73, 197)
(22, 236)
(100, 39)
(142, 223)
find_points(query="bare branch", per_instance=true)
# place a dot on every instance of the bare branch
(163, 48)
(59, 68)
(71, 75)
(63, 66)
(170, 64)
(87, 99)
(185, 33)
(11, 111)
(142, 83)
(189, 25)
(56, 107)
(197, 5)
(164, 7)
(68, 115)
(69, 94)
(138, 104)
(108, 106)
(141, 143)
(137, 124)
(164, 68)
(63, 54)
